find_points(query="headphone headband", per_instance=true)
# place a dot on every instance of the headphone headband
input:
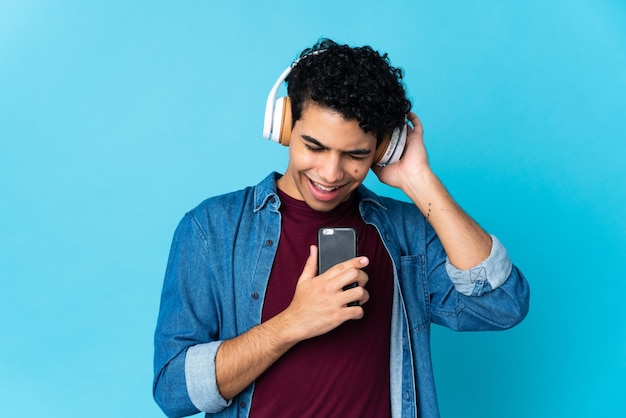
(271, 129)
(278, 121)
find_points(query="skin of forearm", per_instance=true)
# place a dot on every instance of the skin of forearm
(241, 360)
(465, 242)
(318, 306)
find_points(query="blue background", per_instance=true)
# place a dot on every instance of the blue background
(116, 117)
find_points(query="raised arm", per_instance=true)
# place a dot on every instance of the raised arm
(465, 242)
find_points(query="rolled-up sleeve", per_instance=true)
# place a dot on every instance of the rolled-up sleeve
(486, 276)
(186, 337)
(200, 377)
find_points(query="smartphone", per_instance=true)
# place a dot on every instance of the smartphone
(335, 245)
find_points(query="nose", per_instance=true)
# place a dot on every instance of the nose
(330, 169)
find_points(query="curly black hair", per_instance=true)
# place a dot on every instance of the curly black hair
(357, 82)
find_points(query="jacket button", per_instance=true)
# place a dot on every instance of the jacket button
(269, 242)
(242, 404)
(255, 295)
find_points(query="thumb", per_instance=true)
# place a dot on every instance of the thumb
(310, 267)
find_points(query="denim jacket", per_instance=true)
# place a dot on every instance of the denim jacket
(219, 266)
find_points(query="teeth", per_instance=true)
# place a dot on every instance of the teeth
(323, 188)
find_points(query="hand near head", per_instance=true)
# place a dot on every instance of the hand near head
(320, 304)
(414, 161)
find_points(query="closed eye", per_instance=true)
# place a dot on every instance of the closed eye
(313, 145)
(314, 148)
(357, 157)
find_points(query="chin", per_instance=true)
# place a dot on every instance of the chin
(321, 207)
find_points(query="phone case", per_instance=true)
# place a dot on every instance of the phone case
(335, 244)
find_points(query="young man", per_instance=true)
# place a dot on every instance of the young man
(247, 327)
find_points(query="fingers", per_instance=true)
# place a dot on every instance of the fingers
(355, 296)
(348, 272)
(415, 121)
(417, 129)
(310, 267)
(349, 280)
(319, 303)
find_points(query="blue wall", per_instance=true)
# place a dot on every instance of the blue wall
(116, 117)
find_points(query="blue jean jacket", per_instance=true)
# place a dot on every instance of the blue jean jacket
(219, 266)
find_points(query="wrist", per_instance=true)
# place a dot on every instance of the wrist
(425, 189)
(286, 331)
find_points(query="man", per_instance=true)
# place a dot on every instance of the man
(247, 327)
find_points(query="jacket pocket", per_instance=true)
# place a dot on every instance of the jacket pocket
(414, 287)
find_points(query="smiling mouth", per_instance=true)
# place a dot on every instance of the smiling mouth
(324, 188)
(324, 193)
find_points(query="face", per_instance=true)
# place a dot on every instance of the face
(329, 157)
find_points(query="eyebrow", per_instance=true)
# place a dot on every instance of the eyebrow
(319, 144)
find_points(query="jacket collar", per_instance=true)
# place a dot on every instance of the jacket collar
(369, 198)
(265, 192)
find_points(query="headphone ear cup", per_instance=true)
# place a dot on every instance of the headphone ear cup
(381, 149)
(286, 122)
(281, 123)
(391, 147)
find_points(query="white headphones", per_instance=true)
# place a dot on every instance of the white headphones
(278, 122)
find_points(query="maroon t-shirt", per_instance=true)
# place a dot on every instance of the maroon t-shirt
(345, 372)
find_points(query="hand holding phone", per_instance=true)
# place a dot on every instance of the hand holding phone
(336, 245)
